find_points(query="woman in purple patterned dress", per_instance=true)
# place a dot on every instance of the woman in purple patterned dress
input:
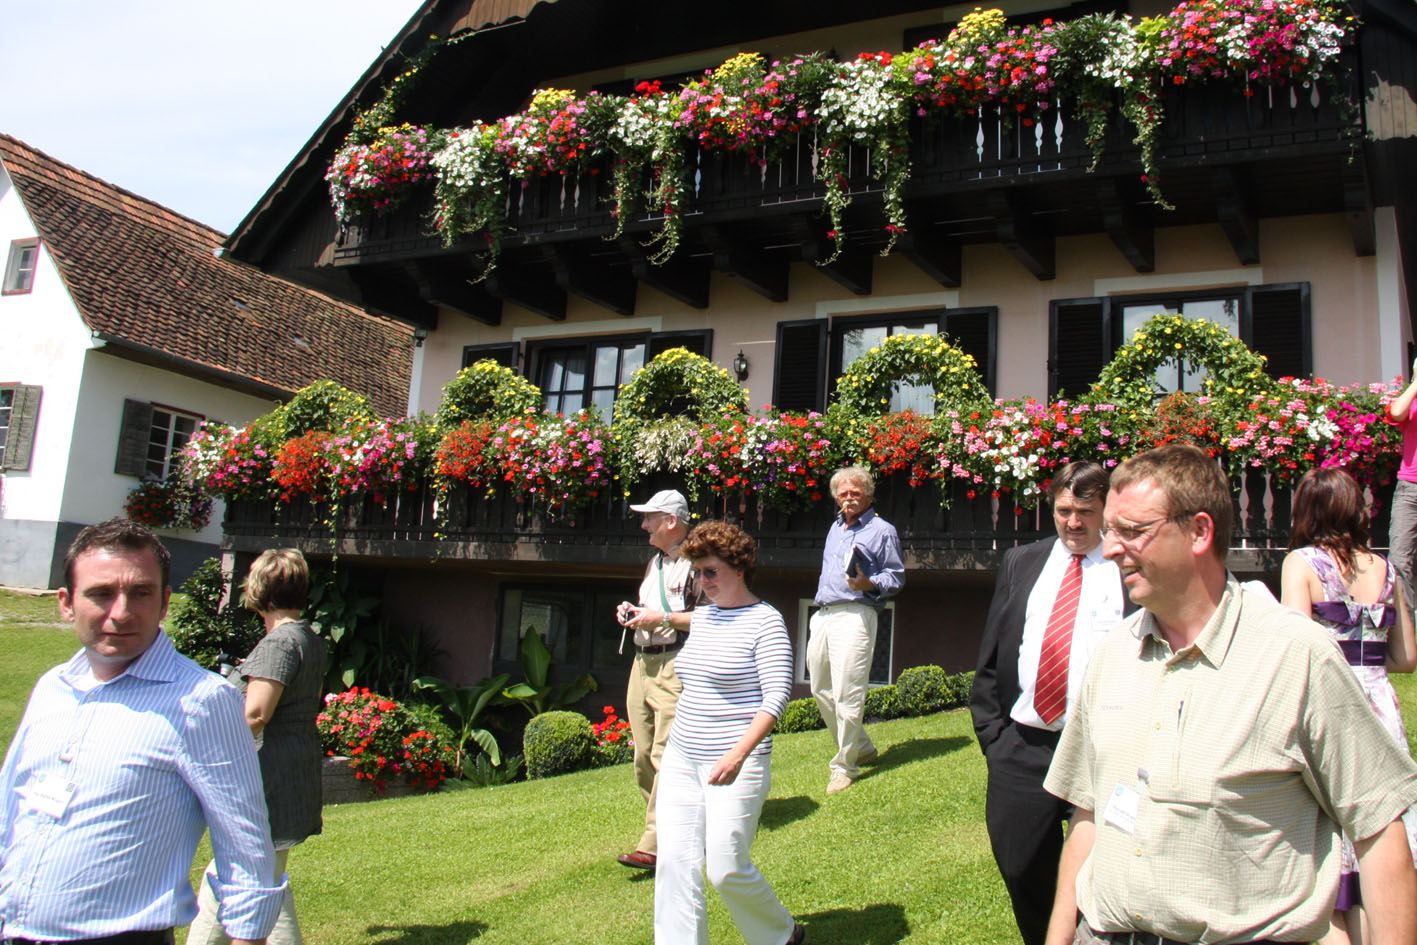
(1331, 575)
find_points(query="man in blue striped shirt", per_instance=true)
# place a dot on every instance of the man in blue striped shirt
(861, 568)
(125, 754)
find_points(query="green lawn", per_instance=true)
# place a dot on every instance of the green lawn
(900, 857)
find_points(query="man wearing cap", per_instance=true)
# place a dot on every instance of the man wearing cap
(668, 594)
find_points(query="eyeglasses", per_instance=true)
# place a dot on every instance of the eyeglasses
(710, 573)
(1131, 534)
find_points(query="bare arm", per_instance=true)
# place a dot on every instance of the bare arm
(1294, 590)
(1389, 885)
(1401, 408)
(726, 770)
(1401, 646)
(1062, 927)
(262, 697)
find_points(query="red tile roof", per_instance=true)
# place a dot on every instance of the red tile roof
(147, 279)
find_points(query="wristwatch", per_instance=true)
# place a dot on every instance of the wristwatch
(665, 624)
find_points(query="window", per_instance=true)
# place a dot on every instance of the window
(504, 354)
(577, 626)
(1272, 320)
(19, 270)
(880, 656)
(582, 372)
(150, 438)
(19, 412)
(800, 383)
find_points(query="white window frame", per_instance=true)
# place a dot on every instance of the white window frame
(169, 452)
(805, 608)
(19, 278)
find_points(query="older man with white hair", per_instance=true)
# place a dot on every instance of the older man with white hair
(861, 569)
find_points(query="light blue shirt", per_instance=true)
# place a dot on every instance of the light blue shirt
(148, 760)
(878, 544)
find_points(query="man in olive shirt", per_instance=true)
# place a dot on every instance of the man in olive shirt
(1219, 743)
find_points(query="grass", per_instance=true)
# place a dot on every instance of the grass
(901, 857)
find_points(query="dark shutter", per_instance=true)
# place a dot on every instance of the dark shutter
(974, 331)
(699, 341)
(504, 354)
(133, 438)
(1079, 345)
(799, 376)
(1279, 328)
(19, 440)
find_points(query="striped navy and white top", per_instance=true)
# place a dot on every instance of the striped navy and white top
(736, 662)
(149, 759)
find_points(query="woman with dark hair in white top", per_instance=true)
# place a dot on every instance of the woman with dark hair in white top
(736, 668)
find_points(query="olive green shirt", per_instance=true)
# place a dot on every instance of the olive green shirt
(1219, 776)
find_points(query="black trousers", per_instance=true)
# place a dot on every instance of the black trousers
(145, 937)
(1025, 825)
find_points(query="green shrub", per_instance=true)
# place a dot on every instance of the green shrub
(961, 688)
(923, 689)
(882, 702)
(614, 753)
(558, 743)
(324, 405)
(800, 715)
(202, 630)
(486, 391)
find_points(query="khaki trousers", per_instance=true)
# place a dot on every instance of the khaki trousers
(206, 930)
(839, 662)
(650, 700)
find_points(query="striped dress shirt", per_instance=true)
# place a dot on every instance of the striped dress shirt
(736, 662)
(153, 756)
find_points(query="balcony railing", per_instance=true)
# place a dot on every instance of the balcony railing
(1204, 124)
(967, 534)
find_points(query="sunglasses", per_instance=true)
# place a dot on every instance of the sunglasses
(710, 573)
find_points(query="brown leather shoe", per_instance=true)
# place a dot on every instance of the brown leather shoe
(798, 936)
(638, 860)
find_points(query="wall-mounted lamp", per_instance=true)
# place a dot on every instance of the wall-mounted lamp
(740, 366)
(419, 334)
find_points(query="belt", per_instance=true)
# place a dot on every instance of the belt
(143, 937)
(662, 648)
(1364, 652)
(1151, 938)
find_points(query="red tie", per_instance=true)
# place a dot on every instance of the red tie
(1050, 696)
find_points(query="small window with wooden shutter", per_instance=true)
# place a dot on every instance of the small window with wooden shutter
(799, 377)
(19, 415)
(975, 332)
(1279, 328)
(1079, 345)
(504, 354)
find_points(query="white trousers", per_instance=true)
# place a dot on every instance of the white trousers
(839, 662)
(206, 930)
(703, 825)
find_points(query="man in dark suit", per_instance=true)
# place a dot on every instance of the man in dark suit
(1053, 601)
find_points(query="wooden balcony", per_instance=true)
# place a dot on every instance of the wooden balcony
(967, 535)
(1224, 155)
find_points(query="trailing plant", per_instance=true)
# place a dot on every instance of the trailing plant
(866, 386)
(323, 406)
(175, 502)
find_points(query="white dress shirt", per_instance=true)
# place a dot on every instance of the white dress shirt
(106, 791)
(1099, 610)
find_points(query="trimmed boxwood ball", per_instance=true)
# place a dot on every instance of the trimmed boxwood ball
(962, 687)
(924, 689)
(882, 702)
(558, 743)
(800, 715)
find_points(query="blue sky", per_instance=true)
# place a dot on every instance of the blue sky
(194, 104)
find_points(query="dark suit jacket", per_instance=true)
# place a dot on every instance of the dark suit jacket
(996, 686)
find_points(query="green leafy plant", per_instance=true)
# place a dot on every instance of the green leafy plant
(558, 742)
(481, 772)
(924, 689)
(882, 702)
(466, 704)
(535, 692)
(799, 715)
(335, 611)
(203, 629)
(486, 391)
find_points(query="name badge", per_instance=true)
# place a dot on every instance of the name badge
(1121, 811)
(51, 795)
